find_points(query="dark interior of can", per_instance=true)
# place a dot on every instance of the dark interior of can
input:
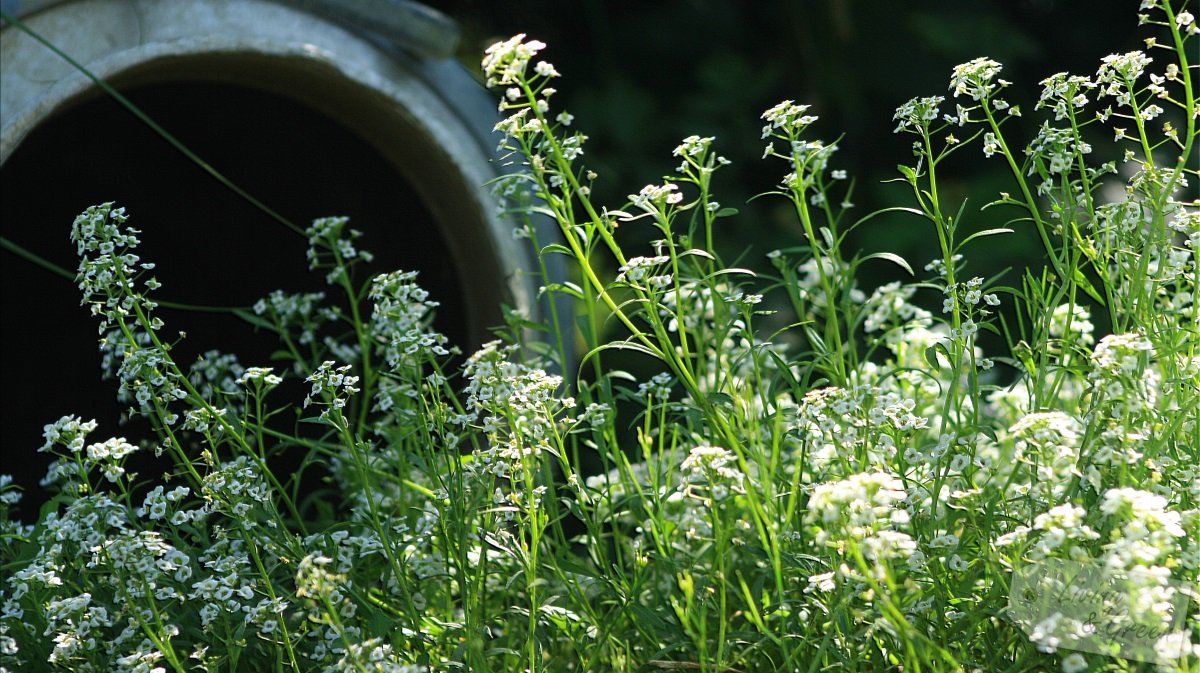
(212, 247)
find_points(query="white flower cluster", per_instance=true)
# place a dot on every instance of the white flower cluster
(303, 311)
(917, 113)
(1055, 150)
(108, 268)
(504, 63)
(519, 123)
(786, 120)
(401, 320)
(1121, 355)
(696, 157)
(641, 272)
(809, 159)
(70, 433)
(854, 427)
(313, 579)
(1062, 525)
(715, 467)
(214, 375)
(373, 656)
(1119, 72)
(658, 387)
(1049, 443)
(862, 509)
(529, 130)
(1150, 531)
(1137, 558)
(159, 503)
(235, 488)
(259, 377)
(977, 78)
(517, 407)
(95, 536)
(654, 199)
(331, 246)
(331, 385)
(1065, 94)
(888, 307)
(108, 278)
(693, 146)
(1072, 323)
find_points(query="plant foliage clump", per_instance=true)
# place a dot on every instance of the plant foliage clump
(812, 476)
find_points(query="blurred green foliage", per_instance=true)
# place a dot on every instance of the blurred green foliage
(639, 76)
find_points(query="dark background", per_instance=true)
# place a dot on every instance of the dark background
(640, 76)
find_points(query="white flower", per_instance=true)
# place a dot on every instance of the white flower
(262, 375)
(545, 69)
(1117, 71)
(504, 62)
(693, 146)
(823, 582)
(889, 544)
(1074, 322)
(708, 461)
(787, 116)
(1121, 353)
(401, 320)
(860, 501)
(653, 197)
(1151, 111)
(638, 269)
(333, 382)
(313, 579)
(1074, 663)
(916, 113)
(976, 78)
(1174, 647)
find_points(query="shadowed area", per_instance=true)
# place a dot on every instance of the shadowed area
(212, 248)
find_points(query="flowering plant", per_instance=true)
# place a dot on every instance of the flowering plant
(856, 486)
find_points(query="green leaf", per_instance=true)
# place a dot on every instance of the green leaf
(649, 618)
(619, 346)
(621, 375)
(827, 236)
(564, 288)
(734, 271)
(726, 212)
(558, 248)
(1084, 283)
(931, 355)
(981, 234)
(893, 258)
(248, 316)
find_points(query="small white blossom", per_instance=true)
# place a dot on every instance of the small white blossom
(976, 78)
